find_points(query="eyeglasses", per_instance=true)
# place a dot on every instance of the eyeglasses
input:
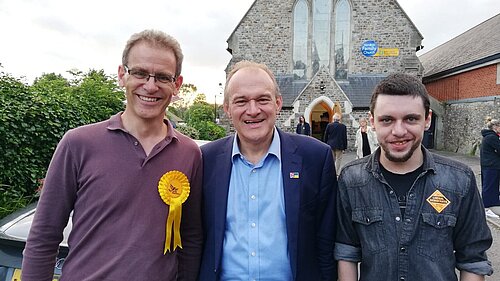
(141, 74)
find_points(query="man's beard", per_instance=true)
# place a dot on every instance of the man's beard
(403, 158)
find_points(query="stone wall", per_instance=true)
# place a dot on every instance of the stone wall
(463, 123)
(265, 35)
(385, 22)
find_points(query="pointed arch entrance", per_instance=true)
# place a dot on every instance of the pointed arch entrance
(319, 116)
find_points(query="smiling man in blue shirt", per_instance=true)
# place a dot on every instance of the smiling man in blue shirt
(268, 196)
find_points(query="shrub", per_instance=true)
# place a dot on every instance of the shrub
(34, 118)
(189, 131)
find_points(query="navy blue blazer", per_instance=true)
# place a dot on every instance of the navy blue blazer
(336, 135)
(309, 205)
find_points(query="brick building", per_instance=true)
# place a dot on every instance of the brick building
(463, 75)
(327, 54)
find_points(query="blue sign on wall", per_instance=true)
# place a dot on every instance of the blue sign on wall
(369, 48)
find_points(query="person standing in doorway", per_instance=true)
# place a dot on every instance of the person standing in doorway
(303, 127)
(366, 140)
(336, 138)
(490, 167)
(405, 213)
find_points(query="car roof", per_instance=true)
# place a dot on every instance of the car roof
(16, 226)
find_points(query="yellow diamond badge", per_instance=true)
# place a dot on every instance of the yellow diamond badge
(438, 201)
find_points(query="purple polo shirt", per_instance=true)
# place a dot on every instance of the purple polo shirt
(102, 173)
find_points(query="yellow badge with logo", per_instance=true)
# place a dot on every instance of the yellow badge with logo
(438, 201)
(174, 190)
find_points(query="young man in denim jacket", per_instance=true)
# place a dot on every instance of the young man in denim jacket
(403, 212)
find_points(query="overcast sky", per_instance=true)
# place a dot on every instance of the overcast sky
(59, 35)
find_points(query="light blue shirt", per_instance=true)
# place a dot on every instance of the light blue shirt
(255, 239)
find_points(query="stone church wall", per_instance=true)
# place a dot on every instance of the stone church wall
(265, 35)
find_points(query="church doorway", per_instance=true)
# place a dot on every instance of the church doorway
(320, 116)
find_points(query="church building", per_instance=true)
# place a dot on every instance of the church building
(327, 55)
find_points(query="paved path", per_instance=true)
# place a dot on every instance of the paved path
(473, 162)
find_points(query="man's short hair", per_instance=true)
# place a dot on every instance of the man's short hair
(400, 84)
(336, 117)
(249, 64)
(155, 38)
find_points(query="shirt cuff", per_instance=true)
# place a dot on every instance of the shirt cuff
(479, 268)
(347, 253)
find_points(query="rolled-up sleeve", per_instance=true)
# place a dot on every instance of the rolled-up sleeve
(347, 245)
(472, 236)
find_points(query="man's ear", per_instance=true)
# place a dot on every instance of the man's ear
(226, 110)
(279, 103)
(372, 120)
(428, 120)
(178, 84)
(121, 74)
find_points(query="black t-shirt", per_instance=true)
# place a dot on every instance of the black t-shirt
(401, 184)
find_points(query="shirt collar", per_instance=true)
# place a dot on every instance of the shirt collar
(374, 163)
(115, 123)
(274, 148)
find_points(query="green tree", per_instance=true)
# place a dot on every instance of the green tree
(187, 95)
(200, 116)
(34, 118)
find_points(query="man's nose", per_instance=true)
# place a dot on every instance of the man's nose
(150, 84)
(399, 128)
(253, 107)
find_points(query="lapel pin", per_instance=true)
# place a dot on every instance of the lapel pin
(294, 175)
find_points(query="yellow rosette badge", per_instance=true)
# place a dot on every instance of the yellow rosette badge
(174, 190)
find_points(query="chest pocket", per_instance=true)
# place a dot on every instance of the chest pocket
(436, 235)
(370, 228)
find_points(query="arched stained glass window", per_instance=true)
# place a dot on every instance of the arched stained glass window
(300, 23)
(342, 38)
(322, 10)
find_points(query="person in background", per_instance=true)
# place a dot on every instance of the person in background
(490, 167)
(366, 140)
(118, 176)
(336, 138)
(303, 127)
(268, 196)
(405, 213)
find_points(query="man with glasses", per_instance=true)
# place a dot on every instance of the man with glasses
(136, 205)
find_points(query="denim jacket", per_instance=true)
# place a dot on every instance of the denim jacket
(444, 225)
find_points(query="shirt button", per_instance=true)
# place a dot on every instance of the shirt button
(136, 143)
(402, 249)
(402, 279)
(408, 220)
(412, 195)
(253, 171)
(253, 197)
(398, 218)
(253, 224)
(253, 254)
(391, 192)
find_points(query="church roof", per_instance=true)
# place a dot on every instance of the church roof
(290, 88)
(478, 45)
(357, 88)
